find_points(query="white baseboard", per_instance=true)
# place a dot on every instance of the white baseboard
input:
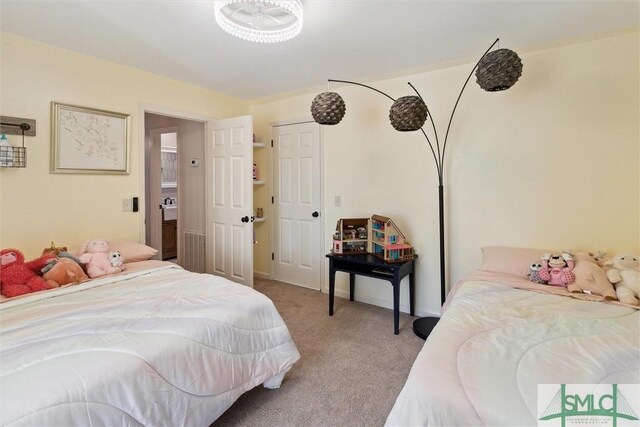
(386, 304)
(261, 275)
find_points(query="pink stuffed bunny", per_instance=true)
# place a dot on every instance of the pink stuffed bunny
(95, 253)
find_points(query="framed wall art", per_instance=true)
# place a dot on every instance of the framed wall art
(88, 140)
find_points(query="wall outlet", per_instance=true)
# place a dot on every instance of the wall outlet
(337, 201)
(127, 205)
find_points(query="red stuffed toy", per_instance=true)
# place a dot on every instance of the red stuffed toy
(18, 277)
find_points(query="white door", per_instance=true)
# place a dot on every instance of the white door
(297, 200)
(229, 198)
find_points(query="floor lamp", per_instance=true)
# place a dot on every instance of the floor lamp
(495, 71)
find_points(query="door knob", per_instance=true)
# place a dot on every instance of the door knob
(315, 214)
(244, 219)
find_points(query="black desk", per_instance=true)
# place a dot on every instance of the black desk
(371, 266)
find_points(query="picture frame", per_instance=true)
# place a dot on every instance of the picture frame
(88, 140)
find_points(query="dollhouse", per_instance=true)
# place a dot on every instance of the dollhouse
(378, 235)
(351, 236)
(387, 241)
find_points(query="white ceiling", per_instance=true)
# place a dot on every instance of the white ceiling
(350, 40)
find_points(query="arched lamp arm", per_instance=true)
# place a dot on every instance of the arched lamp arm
(435, 132)
(438, 165)
(444, 147)
(363, 85)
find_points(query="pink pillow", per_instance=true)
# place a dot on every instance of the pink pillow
(514, 261)
(132, 251)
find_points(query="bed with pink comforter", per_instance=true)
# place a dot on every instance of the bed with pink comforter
(499, 337)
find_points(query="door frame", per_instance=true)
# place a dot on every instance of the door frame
(142, 198)
(272, 179)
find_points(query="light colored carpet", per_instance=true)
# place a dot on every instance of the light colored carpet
(350, 371)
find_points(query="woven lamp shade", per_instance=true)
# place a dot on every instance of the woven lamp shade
(499, 70)
(408, 114)
(328, 108)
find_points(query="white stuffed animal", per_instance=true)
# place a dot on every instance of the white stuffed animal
(625, 276)
(115, 258)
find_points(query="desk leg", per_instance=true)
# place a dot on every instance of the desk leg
(352, 285)
(396, 304)
(332, 286)
(412, 290)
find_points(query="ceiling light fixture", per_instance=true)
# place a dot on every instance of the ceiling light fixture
(261, 21)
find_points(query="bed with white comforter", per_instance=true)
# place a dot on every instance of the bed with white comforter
(498, 340)
(161, 346)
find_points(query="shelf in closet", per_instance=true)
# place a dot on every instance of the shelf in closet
(259, 182)
(259, 145)
(259, 220)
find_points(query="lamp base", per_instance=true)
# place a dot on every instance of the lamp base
(423, 326)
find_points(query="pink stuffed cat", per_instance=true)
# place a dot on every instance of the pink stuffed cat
(95, 253)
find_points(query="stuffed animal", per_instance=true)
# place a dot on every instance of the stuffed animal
(63, 272)
(53, 249)
(534, 273)
(18, 277)
(115, 258)
(53, 262)
(590, 278)
(600, 259)
(556, 269)
(625, 276)
(95, 254)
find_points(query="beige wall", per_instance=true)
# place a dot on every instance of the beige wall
(553, 162)
(37, 206)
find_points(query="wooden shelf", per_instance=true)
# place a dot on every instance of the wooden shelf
(259, 182)
(259, 145)
(354, 240)
(260, 220)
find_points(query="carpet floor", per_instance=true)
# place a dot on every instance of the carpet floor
(351, 366)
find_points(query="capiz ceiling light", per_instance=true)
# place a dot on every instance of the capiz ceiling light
(261, 21)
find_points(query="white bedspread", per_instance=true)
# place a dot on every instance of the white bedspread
(161, 347)
(482, 363)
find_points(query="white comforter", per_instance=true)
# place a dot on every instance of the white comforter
(161, 347)
(482, 363)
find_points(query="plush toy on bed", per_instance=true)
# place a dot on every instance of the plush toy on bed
(557, 269)
(534, 273)
(63, 272)
(95, 254)
(115, 258)
(625, 276)
(590, 278)
(18, 277)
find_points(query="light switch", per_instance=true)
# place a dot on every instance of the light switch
(337, 201)
(127, 205)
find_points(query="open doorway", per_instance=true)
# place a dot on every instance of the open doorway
(174, 188)
(162, 224)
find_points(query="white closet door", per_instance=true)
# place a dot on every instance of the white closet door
(297, 228)
(229, 195)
